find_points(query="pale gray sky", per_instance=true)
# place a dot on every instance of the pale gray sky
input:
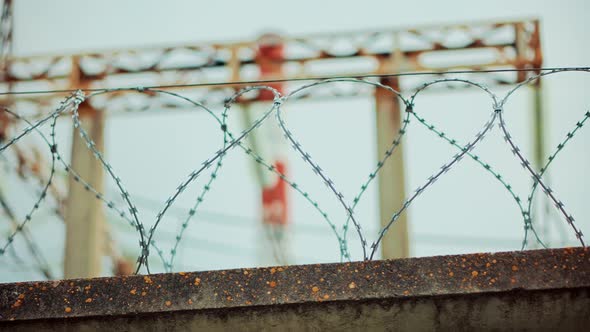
(466, 211)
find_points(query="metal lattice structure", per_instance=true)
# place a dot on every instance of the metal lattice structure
(212, 72)
(488, 46)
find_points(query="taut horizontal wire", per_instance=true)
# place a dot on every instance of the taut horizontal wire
(297, 79)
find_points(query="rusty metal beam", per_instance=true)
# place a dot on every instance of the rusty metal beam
(499, 40)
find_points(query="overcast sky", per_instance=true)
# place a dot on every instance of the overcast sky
(466, 211)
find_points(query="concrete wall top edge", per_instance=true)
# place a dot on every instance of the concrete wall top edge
(401, 278)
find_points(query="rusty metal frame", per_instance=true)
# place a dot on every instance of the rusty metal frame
(502, 45)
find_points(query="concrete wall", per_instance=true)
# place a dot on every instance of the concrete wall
(532, 290)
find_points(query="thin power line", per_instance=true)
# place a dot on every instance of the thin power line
(297, 79)
(240, 221)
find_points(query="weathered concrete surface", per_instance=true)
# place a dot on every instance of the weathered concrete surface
(534, 290)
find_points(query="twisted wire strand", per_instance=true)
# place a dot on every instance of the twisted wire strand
(72, 101)
(317, 169)
(537, 178)
(550, 160)
(488, 167)
(231, 141)
(443, 169)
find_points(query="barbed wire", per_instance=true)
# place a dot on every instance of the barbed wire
(229, 141)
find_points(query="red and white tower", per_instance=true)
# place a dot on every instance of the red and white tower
(267, 141)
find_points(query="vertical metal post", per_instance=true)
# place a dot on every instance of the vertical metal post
(84, 215)
(266, 141)
(392, 193)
